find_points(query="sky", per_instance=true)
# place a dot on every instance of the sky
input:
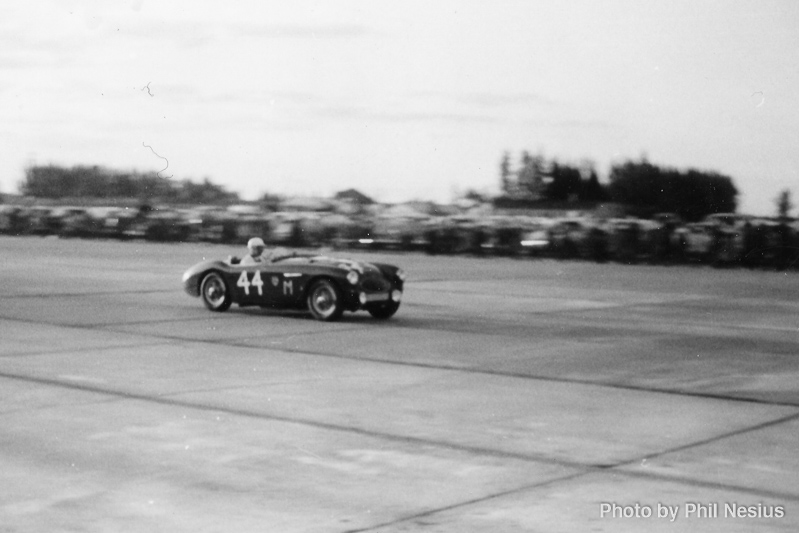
(400, 100)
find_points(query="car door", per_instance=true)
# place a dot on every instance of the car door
(284, 285)
(256, 284)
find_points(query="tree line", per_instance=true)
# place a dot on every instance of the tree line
(642, 187)
(56, 182)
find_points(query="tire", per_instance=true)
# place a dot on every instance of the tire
(385, 311)
(325, 301)
(215, 293)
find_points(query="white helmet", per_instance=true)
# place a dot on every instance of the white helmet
(256, 241)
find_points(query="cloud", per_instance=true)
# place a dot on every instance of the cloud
(344, 112)
(332, 31)
(205, 33)
(304, 105)
(456, 118)
(580, 123)
(507, 100)
(21, 50)
(192, 94)
(15, 61)
(491, 100)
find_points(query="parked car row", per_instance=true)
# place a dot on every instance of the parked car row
(722, 239)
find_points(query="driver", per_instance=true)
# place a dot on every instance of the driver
(256, 248)
(258, 255)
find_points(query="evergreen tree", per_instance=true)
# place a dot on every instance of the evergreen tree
(784, 204)
(692, 194)
(505, 175)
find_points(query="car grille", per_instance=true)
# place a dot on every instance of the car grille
(375, 284)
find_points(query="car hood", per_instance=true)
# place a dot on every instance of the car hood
(331, 262)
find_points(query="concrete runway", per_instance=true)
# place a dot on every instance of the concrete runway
(505, 396)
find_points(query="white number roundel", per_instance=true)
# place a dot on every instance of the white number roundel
(245, 283)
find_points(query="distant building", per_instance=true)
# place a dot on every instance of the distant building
(306, 203)
(353, 196)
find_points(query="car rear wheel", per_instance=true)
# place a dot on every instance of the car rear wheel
(384, 311)
(324, 301)
(215, 293)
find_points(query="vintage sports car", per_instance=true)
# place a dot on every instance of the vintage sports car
(324, 285)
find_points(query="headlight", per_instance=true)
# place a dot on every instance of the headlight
(352, 277)
(401, 274)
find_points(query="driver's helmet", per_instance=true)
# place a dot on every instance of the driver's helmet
(256, 242)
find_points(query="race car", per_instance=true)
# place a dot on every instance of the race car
(324, 285)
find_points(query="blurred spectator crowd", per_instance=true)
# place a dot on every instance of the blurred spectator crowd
(720, 239)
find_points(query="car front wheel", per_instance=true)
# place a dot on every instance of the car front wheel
(324, 301)
(215, 293)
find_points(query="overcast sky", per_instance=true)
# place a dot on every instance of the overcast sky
(402, 100)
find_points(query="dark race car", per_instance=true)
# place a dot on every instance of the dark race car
(324, 285)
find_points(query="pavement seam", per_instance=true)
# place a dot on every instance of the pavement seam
(694, 482)
(99, 327)
(467, 503)
(116, 328)
(172, 400)
(576, 475)
(479, 371)
(83, 348)
(584, 468)
(721, 436)
(49, 295)
(415, 364)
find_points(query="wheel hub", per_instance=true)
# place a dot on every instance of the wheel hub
(214, 292)
(324, 301)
